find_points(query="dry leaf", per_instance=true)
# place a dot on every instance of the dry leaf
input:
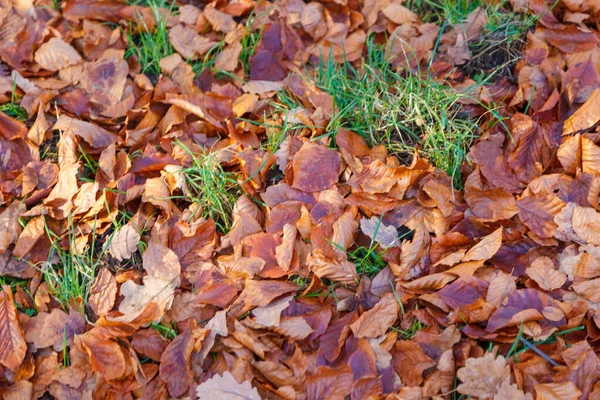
(225, 387)
(482, 377)
(376, 321)
(12, 340)
(55, 55)
(542, 271)
(124, 242)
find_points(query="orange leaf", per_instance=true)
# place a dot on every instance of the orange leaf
(542, 271)
(175, 368)
(12, 341)
(557, 391)
(378, 319)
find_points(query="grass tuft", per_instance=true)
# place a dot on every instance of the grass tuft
(150, 46)
(211, 187)
(70, 271)
(12, 109)
(400, 110)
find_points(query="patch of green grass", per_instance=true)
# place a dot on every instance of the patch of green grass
(300, 281)
(368, 262)
(151, 45)
(250, 41)
(70, 272)
(453, 11)
(12, 109)
(400, 109)
(211, 187)
(168, 331)
(409, 334)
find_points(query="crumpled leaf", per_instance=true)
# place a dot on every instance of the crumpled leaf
(386, 236)
(542, 271)
(225, 387)
(482, 377)
(124, 243)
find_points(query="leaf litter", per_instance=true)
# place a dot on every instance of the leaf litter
(203, 227)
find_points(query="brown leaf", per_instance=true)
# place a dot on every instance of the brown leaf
(410, 361)
(106, 356)
(187, 42)
(226, 387)
(55, 329)
(542, 271)
(12, 341)
(271, 315)
(386, 236)
(557, 391)
(175, 368)
(150, 343)
(486, 248)
(376, 321)
(585, 117)
(329, 383)
(538, 212)
(482, 377)
(261, 293)
(103, 293)
(507, 391)
(219, 20)
(316, 168)
(491, 204)
(124, 242)
(55, 55)
(10, 229)
(339, 271)
(586, 224)
(95, 136)
(571, 39)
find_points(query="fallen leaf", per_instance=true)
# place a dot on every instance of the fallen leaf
(486, 248)
(12, 340)
(103, 293)
(175, 368)
(376, 321)
(316, 168)
(386, 236)
(585, 116)
(557, 391)
(482, 377)
(225, 387)
(542, 271)
(55, 55)
(124, 242)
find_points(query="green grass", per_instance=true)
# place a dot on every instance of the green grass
(151, 45)
(211, 187)
(368, 262)
(399, 109)
(250, 41)
(409, 334)
(168, 331)
(12, 108)
(70, 273)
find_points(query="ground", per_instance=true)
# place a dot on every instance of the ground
(377, 199)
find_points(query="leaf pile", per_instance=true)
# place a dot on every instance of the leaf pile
(490, 292)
